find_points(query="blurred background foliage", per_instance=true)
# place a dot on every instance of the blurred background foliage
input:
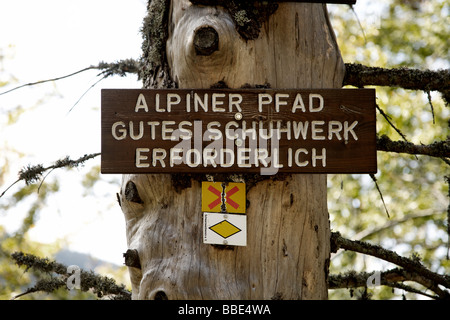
(393, 34)
(33, 201)
(413, 218)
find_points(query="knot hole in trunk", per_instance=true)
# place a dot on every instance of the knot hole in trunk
(206, 41)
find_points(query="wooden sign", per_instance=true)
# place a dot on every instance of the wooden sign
(263, 131)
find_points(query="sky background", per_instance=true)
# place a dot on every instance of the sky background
(50, 38)
(46, 39)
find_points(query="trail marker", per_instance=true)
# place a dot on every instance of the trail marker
(225, 229)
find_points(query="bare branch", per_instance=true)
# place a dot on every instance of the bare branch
(447, 179)
(120, 68)
(49, 80)
(366, 233)
(431, 105)
(79, 99)
(374, 179)
(411, 289)
(390, 122)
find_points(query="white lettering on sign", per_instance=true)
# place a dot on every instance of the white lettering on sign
(140, 158)
(235, 100)
(251, 138)
(216, 102)
(252, 130)
(172, 99)
(266, 129)
(231, 102)
(266, 99)
(298, 104)
(119, 131)
(313, 96)
(157, 108)
(245, 157)
(141, 104)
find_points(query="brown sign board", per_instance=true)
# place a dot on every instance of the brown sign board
(265, 131)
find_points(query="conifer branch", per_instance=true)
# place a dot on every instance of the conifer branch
(393, 278)
(438, 149)
(100, 285)
(411, 265)
(359, 76)
(356, 75)
(31, 174)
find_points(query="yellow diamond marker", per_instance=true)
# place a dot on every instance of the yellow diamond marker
(225, 229)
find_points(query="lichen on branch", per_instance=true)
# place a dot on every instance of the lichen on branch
(101, 285)
(409, 264)
(438, 149)
(359, 76)
(33, 173)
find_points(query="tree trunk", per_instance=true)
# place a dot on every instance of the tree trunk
(288, 238)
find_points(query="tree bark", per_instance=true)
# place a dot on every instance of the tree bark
(288, 239)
